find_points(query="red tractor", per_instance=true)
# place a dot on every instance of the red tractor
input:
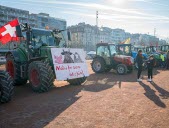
(107, 58)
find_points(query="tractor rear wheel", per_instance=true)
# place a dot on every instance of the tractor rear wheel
(41, 76)
(121, 69)
(98, 65)
(14, 71)
(6, 87)
(77, 81)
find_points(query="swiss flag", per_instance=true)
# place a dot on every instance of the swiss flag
(8, 32)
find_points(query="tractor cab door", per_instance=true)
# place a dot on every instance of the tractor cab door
(113, 53)
(103, 51)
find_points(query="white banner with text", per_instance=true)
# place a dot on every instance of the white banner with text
(69, 63)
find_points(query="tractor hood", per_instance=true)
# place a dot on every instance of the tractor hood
(121, 56)
(128, 60)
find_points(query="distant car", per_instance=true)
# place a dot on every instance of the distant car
(2, 59)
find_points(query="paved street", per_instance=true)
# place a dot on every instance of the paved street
(106, 100)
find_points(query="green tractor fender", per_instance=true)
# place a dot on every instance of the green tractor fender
(16, 66)
(18, 55)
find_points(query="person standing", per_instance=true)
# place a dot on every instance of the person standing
(150, 66)
(167, 59)
(162, 60)
(139, 61)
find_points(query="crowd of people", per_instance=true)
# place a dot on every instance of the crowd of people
(151, 63)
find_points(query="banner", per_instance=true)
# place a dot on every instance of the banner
(69, 63)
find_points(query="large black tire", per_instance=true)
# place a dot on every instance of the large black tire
(98, 65)
(14, 71)
(121, 69)
(6, 87)
(41, 76)
(77, 81)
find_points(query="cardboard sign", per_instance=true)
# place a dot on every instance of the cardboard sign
(69, 63)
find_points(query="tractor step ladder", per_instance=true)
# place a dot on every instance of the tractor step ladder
(22, 69)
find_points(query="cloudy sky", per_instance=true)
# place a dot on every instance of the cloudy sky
(135, 16)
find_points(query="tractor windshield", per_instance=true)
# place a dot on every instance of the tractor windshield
(124, 49)
(42, 38)
(60, 39)
(112, 49)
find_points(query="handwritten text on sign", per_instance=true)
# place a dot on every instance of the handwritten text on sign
(69, 63)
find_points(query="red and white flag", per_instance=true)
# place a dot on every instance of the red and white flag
(8, 32)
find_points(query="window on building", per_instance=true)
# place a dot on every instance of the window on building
(43, 24)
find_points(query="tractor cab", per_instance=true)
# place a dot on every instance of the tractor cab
(107, 58)
(153, 50)
(106, 51)
(38, 42)
(124, 49)
(164, 48)
(42, 37)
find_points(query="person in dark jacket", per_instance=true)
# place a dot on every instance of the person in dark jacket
(150, 66)
(139, 61)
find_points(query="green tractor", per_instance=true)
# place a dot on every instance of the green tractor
(107, 58)
(6, 87)
(32, 61)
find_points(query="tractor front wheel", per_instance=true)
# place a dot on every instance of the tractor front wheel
(41, 76)
(6, 87)
(121, 69)
(98, 65)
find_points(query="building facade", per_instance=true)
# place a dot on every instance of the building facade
(118, 35)
(83, 35)
(40, 20)
(87, 36)
(7, 14)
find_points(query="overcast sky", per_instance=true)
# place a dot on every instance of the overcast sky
(135, 16)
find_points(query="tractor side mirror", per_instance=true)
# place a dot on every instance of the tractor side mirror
(28, 36)
(19, 31)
